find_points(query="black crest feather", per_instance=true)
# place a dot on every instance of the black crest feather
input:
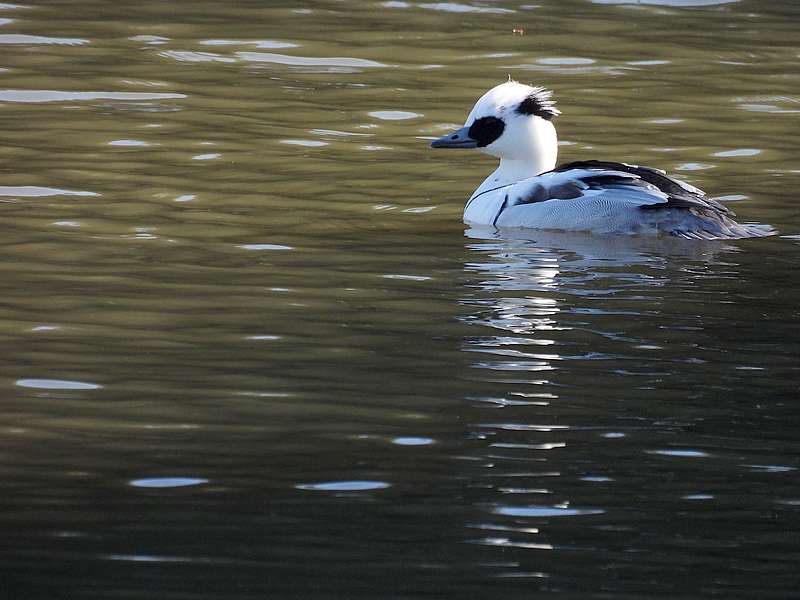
(540, 103)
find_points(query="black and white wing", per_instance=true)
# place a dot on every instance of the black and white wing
(621, 198)
(679, 194)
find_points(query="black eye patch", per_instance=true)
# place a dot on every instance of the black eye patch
(486, 130)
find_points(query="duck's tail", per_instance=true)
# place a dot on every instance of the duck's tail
(729, 230)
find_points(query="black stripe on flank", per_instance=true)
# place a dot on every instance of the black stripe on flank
(500, 212)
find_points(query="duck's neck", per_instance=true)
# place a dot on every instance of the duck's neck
(539, 158)
(511, 171)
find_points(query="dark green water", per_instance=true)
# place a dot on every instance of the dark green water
(249, 350)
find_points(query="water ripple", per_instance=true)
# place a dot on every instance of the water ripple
(524, 427)
(670, 3)
(394, 115)
(737, 152)
(34, 191)
(413, 441)
(344, 486)
(455, 7)
(128, 143)
(61, 96)
(264, 44)
(57, 384)
(265, 247)
(770, 104)
(508, 543)
(681, 453)
(406, 277)
(308, 61)
(18, 38)
(186, 56)
(167, 482)
(566, 60)
(151, 40)
(306, 143)
(545, 511)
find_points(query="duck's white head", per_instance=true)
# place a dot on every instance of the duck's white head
(513, 122)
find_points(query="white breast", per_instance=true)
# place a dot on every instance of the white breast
(483, 209)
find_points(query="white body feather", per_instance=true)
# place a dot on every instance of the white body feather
(609, 210)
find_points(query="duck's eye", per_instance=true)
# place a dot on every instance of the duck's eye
(486, 130)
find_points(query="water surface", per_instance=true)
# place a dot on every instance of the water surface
(250, 351)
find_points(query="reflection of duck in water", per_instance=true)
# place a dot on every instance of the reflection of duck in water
(513, 122)
(583, 249)
(581, 264)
